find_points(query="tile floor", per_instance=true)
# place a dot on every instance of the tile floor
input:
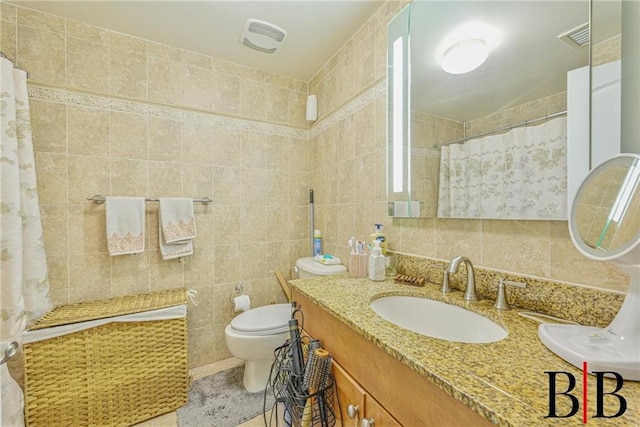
(171, 419)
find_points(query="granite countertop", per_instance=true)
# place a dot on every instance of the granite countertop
(503, 381)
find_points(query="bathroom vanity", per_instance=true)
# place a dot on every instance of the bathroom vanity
(399, 377)
(371, 380)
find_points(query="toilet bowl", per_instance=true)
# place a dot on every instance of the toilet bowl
(253, 335)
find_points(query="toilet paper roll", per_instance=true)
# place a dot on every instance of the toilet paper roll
(241, 303)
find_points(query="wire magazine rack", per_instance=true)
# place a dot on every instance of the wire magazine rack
(301, 408)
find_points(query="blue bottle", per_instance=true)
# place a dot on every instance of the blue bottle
(317, 243)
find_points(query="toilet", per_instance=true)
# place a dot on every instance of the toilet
(308, 268)
(253, 335)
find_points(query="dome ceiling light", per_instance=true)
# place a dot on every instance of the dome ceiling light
(467, 47)
(464, 56)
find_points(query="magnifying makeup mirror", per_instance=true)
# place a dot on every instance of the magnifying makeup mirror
(605, 225)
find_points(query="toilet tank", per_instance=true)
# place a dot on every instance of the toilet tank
(308, 267)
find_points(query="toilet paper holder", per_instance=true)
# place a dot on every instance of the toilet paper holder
(237, 291)
(239, 301)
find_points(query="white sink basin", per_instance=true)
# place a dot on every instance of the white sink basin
(438, 319)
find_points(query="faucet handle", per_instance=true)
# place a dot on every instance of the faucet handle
(501, 301)
(445, 289)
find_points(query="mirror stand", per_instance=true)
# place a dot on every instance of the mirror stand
(614, 349)
(606, 229)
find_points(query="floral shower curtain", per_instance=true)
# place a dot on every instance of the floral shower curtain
(521, 174)
(24, 289)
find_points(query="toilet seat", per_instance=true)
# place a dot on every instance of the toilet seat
(266, 320)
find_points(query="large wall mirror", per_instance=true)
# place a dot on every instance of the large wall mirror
(489, 141)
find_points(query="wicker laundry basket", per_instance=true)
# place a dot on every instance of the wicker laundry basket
(114, 374)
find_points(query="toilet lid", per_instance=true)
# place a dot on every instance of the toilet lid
(314, 267)
(274, 317)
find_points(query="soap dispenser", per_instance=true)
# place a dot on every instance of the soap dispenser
(377, 263)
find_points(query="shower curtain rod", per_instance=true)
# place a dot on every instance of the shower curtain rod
(502, 129)
(2, 55)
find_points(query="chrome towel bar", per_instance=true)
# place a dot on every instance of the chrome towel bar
(100, 199)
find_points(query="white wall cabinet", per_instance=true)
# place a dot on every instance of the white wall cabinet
(605, 129)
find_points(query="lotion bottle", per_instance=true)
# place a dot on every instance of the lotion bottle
(380, 237)
(377, 263)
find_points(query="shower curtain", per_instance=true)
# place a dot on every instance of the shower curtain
(24, 289)
(521, 174)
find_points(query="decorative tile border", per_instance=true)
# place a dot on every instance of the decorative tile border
(168, 113)
(104, 102)
(75, 98)
(127, 107)
(47, 94)
(373, 93)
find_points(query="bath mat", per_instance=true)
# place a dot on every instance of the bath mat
(220, 400)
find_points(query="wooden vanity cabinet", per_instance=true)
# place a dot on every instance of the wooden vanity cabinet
(391, 393)
(352, 396)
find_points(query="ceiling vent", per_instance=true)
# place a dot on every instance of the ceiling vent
(577, 37)
(262, 36)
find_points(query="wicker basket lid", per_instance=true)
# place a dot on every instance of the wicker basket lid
(92, 310)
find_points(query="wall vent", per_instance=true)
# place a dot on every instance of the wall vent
(577, 37)
(262, 36)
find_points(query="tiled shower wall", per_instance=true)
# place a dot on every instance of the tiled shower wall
(117, 115)
(348, 175)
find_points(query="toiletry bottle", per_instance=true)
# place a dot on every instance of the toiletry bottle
(317, 243)
(377, 263)
(379, 236)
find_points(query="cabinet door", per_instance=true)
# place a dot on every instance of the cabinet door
(380, 417)
(349, 393)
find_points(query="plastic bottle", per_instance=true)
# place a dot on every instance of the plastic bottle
(377, 263)
(380, 237)
(317, 243)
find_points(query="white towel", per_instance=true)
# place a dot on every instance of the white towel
(177, 220)
(174, 250)
(177, 227)
(125, 225)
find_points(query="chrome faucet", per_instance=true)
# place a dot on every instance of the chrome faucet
(470, 292)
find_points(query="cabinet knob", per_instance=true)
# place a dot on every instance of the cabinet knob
(352, 410)
(367, 422)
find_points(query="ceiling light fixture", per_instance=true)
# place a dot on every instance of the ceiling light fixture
(464, 56)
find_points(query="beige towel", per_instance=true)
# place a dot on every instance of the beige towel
(177, 219)
(174, 250)
(125, 225)
(177, 227)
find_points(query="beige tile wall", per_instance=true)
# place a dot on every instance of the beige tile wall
(607, 51)
(117, 115)
(528, 111)
(348, 175)
(427, 131)
(347, 144)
